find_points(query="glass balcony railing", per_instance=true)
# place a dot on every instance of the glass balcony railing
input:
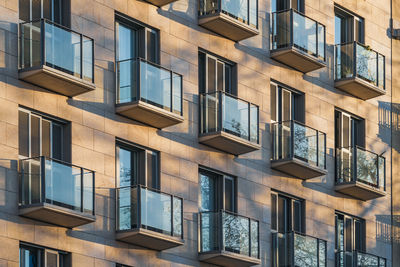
(226, 231)
(138, 79)
(45, 180)
(291, 139)
(357, 164)
(223, 112)
(357, 60)
(146, 208)
(43, 42)
(358, 259)
(290, 28)
(245, 11)
(294, 249)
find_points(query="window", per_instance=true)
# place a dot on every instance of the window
(216, 74)
(280, 5)
(35, 256)
(42, 136)
(348, 27)
(217, 191)
(349, 233)
(287, 214)
(349, 130)
(136, 40)
(137, 166)
(286, 104)
(57, 11)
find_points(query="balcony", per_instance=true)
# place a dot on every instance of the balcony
(149, 93)
(149, 218)
(160, 3)
(228, 123)
(228, 239)
(359, 70)
(294, 249)
(297, 41)
(56, 192)
(234, 19)
(360, 173)
(298, 150)
(357, 258)
(56, 58)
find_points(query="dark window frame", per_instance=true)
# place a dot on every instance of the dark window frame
(344, 13)
(64, 258)
(361, 239)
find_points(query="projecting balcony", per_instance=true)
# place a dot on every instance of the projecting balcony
(228, 239)
(56, 58)
(233, 19)
(56, 192)
(360, 173)
(149, 93)
(357, 258)
(228, 123)
(298, 150)
(149, 218)
(160, 3)
(297, 41)
(359, 70)
(294, 249)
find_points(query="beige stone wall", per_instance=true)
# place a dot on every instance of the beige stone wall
(95, 127)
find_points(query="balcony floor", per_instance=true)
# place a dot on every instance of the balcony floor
(160, 3)
(55, 215)
(148, 114)
(359, 190)
(297, 59)
(297, 168)
(149, 239)
(228, 259)
(56, 81)
(359, 88)
(228, 142)
(227, 26)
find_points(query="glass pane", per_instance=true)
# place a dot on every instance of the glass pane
(209, 115)
(30, 186)
(58, 39)
(87, 59)
(304, 34)
(207, 193)
(344, 61)
(254, 239)
(155, 211)
(127, 204)
(35, 136)
(63, 185)
(126, 43)
(346, 131)
(321, 41)
(367, 260)
(151, 44)
(127, 81)
(235, 116)
(280, 30)
(57, 141)
(381, 71)
(46, 150)
(126, 169)
(236, 233)
(297, 216)
(152, 170)
(208, 7)
(211, 79)
(220, 76)
(253, 123)
(305, 143)
(36, 9)
(46, 5)
(286, 105)
(155, 85)
(24, 10)
(177, 93)
(305, 251)
(28, 257)
(367, 167)
(253, 13)
(236, 8)
(209, 230)
(177, 217)
(322, 253)
(274, 212)
(382, 173)
(51, 259)
(30, 45)
(88, 188)
(229, 195)
(273, 102)
(321, 149)
(23, 133)
(367, 64)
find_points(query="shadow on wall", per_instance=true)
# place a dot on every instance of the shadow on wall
(384, 228)
(9, 185)
(389, 115)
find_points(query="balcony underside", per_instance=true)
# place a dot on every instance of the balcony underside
(148, 114)
(359, 88)
(297, 168)
(297, 59)
(149, 239)
(160, 3)
(56, 215)
(228, 142)
(227, 26)
(359, 190)
(228, 259)
(56, 81)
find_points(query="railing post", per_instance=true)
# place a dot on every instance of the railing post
(291, 139)
(377, 69)
(316, 41)
(354, 167)
(139, 207)
(355, 59)
(249, 237)
(172, 91)
(221, 231)
(220, 107)
(82, 190)
(81, 57)
(43, 42)
(42, 161)
(94, 193)
(172, 214)
(138, 81)
(317, 150)
(291, 27)
(249, 121)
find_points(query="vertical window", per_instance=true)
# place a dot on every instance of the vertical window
(36, 256)
(216, 74)
(280, 5)
(287, 214)
(348, 27)
(53, 10)
(350, 130)
(41, 136)
(350, 234)
(286, 104)
(137, 166)
(217, 191)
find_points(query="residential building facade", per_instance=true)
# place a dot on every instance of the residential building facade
(199, 133)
